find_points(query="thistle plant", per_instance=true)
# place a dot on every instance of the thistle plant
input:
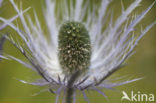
(84, 45)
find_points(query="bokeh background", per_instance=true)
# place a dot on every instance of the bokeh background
(141, 64)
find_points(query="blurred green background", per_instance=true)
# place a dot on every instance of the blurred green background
(141, 64)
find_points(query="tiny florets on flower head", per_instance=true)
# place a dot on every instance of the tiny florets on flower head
(74, 47)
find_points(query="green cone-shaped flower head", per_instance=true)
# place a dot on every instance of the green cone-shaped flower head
(74, 47)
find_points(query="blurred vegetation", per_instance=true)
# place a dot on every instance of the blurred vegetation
(141, 64)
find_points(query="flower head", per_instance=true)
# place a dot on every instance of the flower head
(82, 49)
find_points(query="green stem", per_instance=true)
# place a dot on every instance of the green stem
(69, 98)
(70, 89)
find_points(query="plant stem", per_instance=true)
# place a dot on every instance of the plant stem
(69, 98)
(70, 89)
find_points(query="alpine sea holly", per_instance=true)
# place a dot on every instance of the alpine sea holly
(84, 46)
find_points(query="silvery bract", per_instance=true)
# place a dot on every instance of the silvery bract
(108, 44)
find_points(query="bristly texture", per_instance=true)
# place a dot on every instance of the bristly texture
(74, 47)
(109, 46)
